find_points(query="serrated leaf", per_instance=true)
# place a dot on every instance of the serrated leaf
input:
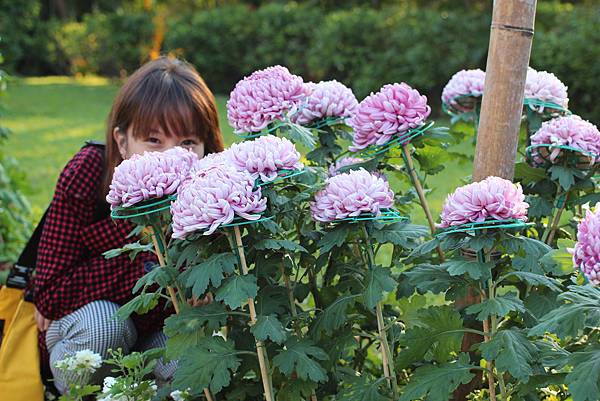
(269, 327)
(534, 279)
(499, 306)
(378, 281)
(530, 252)
(335, 237)
(272, 300)
(163, 276)
(424, 249)
(301, 356)
(564, 175)
(513, 353)
(528, 174)
(583, 381)
(131, 249)
(208, 365)
(362, 389)
(212, 317)
(436, 383)
(277, 244)
(212, 271)
(299, 134)
(296, 390)
(141, 304)
(580, 309)
(237, 290)
(405, 235)
(473, 268)
(335, 315)
(428, 277)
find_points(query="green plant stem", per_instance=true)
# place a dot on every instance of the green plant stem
(156, 232)
(387, 357)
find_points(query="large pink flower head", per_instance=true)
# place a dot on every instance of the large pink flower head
(586, 255)
(395, 109)
(326, 99)
(265, 156)
(545, 86)
(570, 131)
(214, 196)
(463, 83)
(264, 96)
(493, 198)
(151, 175)
(351, 194)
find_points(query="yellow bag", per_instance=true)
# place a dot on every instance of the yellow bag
(20, 377)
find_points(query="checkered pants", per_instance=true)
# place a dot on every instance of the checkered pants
(93, 327)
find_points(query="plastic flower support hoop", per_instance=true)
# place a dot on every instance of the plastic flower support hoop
(386, 216)
(532, 103)
(281, 176)
(529, 151)
(143, 209)
(399, 141)
(484, 225)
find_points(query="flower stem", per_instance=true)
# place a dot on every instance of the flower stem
(417, 184)
(260, 347)
(489, 333)
(161, 262)
(551, 229)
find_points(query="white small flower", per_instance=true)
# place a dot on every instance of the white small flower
(109, 381)
(178, 395)
(87, 360)
(64, 364)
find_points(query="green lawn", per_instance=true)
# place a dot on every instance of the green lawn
(51, 117)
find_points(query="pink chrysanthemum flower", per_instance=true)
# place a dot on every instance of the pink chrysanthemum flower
(545, 86)
(214, 196)
(464, 82)
(151, 175)
(395, 109)
(586, 254)
(265, 156)
(343, 162)
(351, 194)
(570, 131)
(326, 99)
(264, 96)
(493, 198)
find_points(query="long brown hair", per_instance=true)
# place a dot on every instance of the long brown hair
(167, 92)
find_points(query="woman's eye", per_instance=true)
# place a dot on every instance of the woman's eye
(153, 140)
(188, 142)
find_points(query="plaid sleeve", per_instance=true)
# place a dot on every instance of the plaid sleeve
(70, 270)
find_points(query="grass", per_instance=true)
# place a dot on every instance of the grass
(51, 117)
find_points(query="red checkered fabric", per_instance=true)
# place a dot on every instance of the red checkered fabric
(71, 271)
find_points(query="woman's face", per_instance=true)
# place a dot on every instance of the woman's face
(155, 141)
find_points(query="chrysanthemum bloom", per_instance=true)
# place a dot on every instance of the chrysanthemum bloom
(463, 83)
(586, 254)
(395, 109)
(343, 162)
(151, 175)
(264, 96)
(569, 131)
(351, 194)
(545, 86)
(493, 198)
(265, 156)
(326, 99)
(214, 196)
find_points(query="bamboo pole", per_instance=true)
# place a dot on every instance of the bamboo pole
(502, 105)
(260, 347)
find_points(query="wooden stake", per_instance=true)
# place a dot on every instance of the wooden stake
(260, 347)
(417, 184)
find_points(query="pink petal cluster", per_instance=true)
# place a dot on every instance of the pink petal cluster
(326, 99)
(493, 198)
(586, 254)
(570, 131)
(265, 156)
(343, 162)
(545, 86)
(148, 176)
(262, 97)
(395, 109)
(351, 194)
(464, 82)
(214, 196)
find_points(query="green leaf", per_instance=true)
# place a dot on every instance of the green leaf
(236, 290)
(141, 304)
(583, 380)
(269, 327)
(277, 244)
(212, 271)
(378, 281)
(473, 268)
(436, 383)
(405, 235)
(564, 175)
(163, 276)
(513, 353)
(363, 389)
(301, 356)
(592, 199)
(335, 237)
(212, 317)
(499, 306)
(132, 249)
(296, 390)
(209, 365)
(530, 252)
(300, 134)
(538, 206)
(580, 309)
(528, 174)
(534, 279)
(335, 315)
(434, 278)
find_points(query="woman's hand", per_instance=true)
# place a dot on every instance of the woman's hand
(208, 298)
(41, 321)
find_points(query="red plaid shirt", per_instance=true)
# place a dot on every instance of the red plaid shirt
(71, 271)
